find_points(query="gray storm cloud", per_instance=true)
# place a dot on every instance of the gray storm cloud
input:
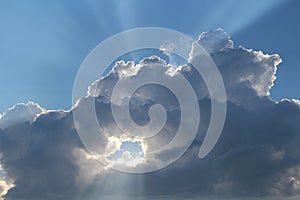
(257, 155)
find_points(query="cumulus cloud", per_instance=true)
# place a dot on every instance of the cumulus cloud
(256, 156)
(22, 112)
(239, 66)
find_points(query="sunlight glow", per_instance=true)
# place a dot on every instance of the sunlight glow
(125, 151)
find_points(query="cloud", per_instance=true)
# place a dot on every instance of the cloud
(214, 41)
(256, 156)
(5, 185)
(22, 112)
(239, 66)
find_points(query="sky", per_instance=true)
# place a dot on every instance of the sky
(50, 149)
(44, 43)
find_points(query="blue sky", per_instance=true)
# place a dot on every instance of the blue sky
(42, 44)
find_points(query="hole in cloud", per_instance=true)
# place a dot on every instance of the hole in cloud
(132, 149)
(126, 152)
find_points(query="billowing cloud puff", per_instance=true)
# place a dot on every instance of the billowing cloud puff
(257, 155)
(20, 113)
(239, 66)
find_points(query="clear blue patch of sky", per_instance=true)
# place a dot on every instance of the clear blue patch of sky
(134, 148)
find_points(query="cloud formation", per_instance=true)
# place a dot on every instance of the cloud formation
(20, 113)
(256, 156)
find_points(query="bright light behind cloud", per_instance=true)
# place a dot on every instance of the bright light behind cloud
(125, 151)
